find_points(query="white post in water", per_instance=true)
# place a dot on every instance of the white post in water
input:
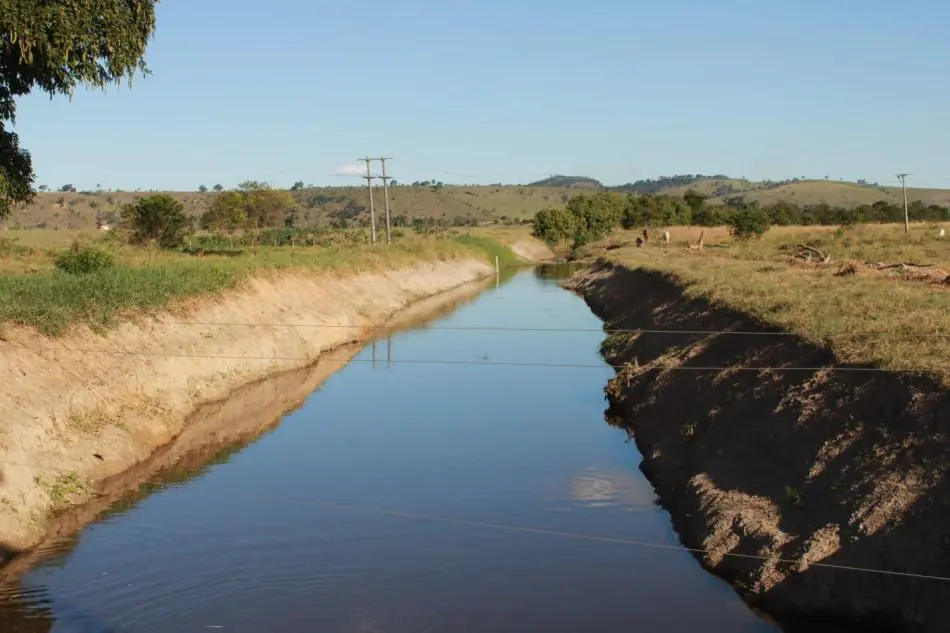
(497, 270)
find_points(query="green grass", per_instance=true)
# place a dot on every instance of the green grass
(493, 248)
(53, 301)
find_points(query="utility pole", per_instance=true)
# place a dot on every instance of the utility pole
(385, 179)
(372, 211)
(902, 178)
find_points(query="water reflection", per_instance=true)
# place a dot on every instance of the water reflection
(554, 272)
(615, 487)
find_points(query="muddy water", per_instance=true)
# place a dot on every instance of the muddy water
(402, 497)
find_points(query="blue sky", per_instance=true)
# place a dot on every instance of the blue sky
(488, 91)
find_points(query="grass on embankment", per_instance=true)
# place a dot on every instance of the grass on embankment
(863, 318)
(53, 301)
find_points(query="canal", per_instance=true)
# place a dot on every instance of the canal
(456, 477)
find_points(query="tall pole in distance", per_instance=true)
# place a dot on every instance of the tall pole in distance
(385, 178)
(372, 210)
(903, 178)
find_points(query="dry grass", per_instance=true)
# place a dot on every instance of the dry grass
(864, 318)
(864, 242)
(840, 194)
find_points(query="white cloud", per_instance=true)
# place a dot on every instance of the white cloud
(351, 169)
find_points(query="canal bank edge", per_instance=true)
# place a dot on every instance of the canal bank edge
(85, 407)
(773, 474)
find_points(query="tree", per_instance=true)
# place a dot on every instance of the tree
(42, 188)
(68, 189)
(218, 188)
(160, 218)
(749, 222)
(226, 213)
(57, 45)
(694, 200)
(263, 206)
(553, 226)
(297, 186)
(202, 189)
(594, 216)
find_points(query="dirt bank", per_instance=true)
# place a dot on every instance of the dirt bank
(794, 468)
(82, 409)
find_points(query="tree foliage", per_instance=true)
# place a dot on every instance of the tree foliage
(56, 45)
(749, 222)
(226, 213)
(254, 205)
(553, 226)
(160, 218)
(263, 206)
(585, 219)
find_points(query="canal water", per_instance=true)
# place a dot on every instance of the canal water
(406, 495)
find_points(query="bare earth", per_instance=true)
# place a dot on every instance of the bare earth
(798, 486)
(86, 407)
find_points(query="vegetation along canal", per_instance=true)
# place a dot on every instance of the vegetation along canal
(393, 500)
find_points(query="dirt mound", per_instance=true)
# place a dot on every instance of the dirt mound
(795, 467)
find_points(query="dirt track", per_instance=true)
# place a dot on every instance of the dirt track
(830, 467)
(81, 409)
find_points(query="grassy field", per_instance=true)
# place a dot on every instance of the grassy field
(480, 204)
(895, 318)
(33, 293)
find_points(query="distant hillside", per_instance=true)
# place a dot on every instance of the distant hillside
(328, 206)
(573, 182)
(663, 183)
(318, 206)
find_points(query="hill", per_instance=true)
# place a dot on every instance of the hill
(801, 191)
(461, 205)
(576, 182)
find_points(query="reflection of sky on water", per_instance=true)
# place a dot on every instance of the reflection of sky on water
(610, 488)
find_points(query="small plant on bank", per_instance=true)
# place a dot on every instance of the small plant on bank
(794, 496)
(689, 431)
(84, 260)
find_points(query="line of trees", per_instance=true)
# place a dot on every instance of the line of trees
(587, 218)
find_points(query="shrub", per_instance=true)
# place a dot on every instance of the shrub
(84, 260)
(749, 222)
(160, 218)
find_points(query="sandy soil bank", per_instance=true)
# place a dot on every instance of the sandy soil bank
(780, 474)
(80, 410)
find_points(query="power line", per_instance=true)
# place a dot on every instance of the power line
(565, 534)
(385, 179)
(503, 328)
(556, 533)
(434, 361)
(588, 537)
(902, 178)
(369, 185)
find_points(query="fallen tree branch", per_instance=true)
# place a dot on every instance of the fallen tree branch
(905, 265)
(812, 250)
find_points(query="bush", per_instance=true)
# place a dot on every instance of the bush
(749, 222)
(84, 260)
(160, 218)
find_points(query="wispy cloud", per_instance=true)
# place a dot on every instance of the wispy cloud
(350, 169)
